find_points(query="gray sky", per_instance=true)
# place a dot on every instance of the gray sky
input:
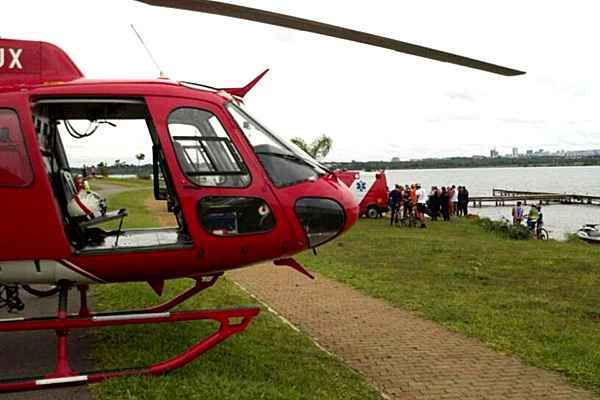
(374, 103)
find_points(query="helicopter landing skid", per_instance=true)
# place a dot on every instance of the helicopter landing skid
(231, 322)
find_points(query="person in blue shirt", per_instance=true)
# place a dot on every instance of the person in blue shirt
(394, 202)
(517, 214)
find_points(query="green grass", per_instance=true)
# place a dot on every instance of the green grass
(268, 361)
(134, 202)
(129, 182)
(539, 300)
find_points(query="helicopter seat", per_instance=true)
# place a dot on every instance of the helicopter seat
(68, 184)
(80, 227)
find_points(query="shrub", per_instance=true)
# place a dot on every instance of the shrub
(504, 228)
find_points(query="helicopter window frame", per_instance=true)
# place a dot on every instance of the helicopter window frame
(298, 156)
(221, 135)
(19, 147)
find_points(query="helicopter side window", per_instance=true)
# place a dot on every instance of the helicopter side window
(232, 216)
(204, 150)
(15, 168)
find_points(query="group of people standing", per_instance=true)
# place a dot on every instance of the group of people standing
(444, 202)
(448, 201)
(407, 201)
(534, 216)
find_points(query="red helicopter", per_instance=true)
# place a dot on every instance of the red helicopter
(240, 194)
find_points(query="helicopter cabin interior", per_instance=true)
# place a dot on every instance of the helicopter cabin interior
(72, 131)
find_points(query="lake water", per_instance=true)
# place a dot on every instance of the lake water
(123, 176)
(559, 219)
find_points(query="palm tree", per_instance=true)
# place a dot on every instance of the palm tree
(140, 157)
(318, 149)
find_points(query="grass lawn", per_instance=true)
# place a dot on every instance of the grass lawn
(126, 182)
(270, 360)
(539, 300)
(138, 216)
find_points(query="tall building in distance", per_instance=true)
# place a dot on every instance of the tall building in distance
(493, 153)
(515, 152)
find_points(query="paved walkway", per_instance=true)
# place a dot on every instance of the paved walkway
(404, 356)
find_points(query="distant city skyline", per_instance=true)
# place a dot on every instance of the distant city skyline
(514, 152)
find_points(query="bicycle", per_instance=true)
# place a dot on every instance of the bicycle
(539, 232)
(410, 220)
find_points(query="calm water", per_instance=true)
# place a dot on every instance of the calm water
(559, 219)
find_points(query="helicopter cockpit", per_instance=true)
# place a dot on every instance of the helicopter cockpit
(62, 126)
(72, 130)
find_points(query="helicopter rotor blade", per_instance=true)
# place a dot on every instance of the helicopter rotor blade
(287, 21)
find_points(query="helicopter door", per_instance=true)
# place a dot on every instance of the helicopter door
(223, 191)
(30, 228)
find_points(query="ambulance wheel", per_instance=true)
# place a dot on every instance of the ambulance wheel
(372, 212)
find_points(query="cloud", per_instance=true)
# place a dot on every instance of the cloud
(457, 117)
(522, 121)
(460, 96)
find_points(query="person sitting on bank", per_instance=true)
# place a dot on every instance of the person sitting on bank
(517, 214)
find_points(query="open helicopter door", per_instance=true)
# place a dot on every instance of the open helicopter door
(31, 227)
(227, 202)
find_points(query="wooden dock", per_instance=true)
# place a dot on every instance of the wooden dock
(500, 197)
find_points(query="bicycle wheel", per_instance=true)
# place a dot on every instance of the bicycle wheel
(543, 234)
(41, 290)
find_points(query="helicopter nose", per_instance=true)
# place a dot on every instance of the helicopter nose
(325, 218)
(321, 218)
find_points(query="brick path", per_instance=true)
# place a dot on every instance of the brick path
(404, 356)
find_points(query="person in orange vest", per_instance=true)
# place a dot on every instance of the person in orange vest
(413, 198)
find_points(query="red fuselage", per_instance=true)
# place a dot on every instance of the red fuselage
(33, 225)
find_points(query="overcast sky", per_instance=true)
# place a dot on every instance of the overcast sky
(376, 104)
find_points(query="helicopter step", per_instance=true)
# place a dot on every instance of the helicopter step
(231, 322)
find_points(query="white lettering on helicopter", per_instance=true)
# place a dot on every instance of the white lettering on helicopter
(15, 54)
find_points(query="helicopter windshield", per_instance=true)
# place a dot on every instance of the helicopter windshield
(285, 162)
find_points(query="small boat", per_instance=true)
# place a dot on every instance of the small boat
(590, 233)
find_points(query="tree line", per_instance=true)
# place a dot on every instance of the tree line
(466, 162)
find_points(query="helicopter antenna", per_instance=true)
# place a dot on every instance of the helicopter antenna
(160, 71)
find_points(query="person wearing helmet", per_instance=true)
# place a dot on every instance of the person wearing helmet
(85, 205)
(81, 183)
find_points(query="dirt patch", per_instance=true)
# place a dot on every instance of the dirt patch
(159, 208)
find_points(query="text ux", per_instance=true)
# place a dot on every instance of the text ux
(11, 58)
